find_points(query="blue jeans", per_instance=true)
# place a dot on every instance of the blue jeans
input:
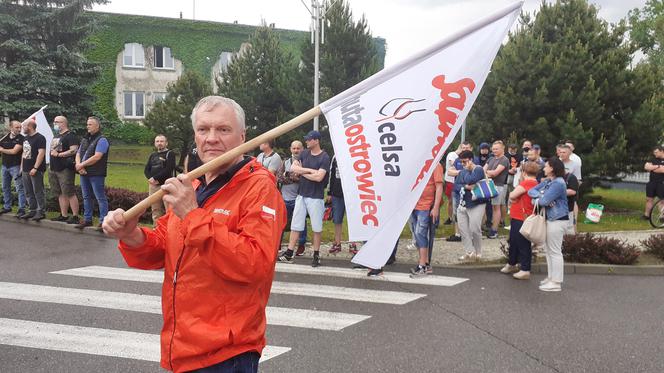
(243, 363)
(9, 174)
(338, 210)
(290, 206)
(93, 185)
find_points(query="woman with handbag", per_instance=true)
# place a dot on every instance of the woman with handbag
(551, 194)
(470, 211)
(520, 249)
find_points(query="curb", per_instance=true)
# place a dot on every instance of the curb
(570, 268)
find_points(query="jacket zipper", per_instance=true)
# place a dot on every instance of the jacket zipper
(175, 282)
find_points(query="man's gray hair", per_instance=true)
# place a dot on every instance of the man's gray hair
(210, 102)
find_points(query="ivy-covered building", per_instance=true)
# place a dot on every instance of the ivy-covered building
(140, 55)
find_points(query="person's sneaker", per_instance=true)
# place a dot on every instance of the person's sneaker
(284, 258)
(507, 269)
(545, 281)
(506, 226)
(453, 238)
(315, 262)
(467, 256)
(73, 219)
(447, 222)
(19, 214)
(4, 211)
(38, 217)
(59, 218)
(300, 250)
(375, 272)
(492, 234)
(27, 216)
(352, 248)
(84, 224)
(428, 269)
(522, 275)
(336, 248)
(419, 271)
(551, 286)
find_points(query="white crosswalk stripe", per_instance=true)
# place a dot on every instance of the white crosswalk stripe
(398, 277)
(309, 290)
(293, 317)
(94, 341)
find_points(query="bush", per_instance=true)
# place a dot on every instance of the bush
(655, 245)
(131, 133)
(588, 248)
(118, 198)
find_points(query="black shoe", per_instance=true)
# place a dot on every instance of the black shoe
(448, 222)
(375, 272)
(27, 216)
(38, 217)
(4, 211)
(316, 261)
(645, 217)
(391, 261)
(453, 238)
(59, 218)
(84, 224)
(99, 228)
(359, 267)
(73, 220)
(19, 214)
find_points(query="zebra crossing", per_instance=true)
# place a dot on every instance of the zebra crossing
(145, 346)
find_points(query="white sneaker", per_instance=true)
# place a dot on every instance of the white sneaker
(411, 247)
(545, 281)
(467, 256)
(522, 275)
(507, 269)
(551, 286)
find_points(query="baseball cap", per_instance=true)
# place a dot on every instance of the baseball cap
(484, 145)
(312, 135)
(536, 147)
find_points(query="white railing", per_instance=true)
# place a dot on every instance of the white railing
(636, 177)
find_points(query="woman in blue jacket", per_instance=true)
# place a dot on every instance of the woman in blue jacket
(551, 194)
(469, 211)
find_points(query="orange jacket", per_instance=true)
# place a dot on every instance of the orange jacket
(218, 267)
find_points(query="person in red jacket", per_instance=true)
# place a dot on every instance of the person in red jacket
(217, 245)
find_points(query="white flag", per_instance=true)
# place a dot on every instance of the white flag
(44, 129)
(390, 130)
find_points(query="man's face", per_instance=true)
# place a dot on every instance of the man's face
(160, 143)
(467, 164)
(216, 132)
(571, 146)
(527, 144)
(564, 153)
(27, 128)
(512, 150)
(296, 148)
(465, 147)
(263, 147)
(312, 144)
(498, 150)
(15, 128)
(657, 153)
(93, 126)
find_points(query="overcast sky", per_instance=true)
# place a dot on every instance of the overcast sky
(407, 25)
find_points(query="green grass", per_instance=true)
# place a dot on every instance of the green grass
(134, 154)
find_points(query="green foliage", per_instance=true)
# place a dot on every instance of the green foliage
(172, 116)
(197, 44)
(40, 58)
(131, 133)
(647, 30)
(655, 245)
(564, 74)
(260, 80)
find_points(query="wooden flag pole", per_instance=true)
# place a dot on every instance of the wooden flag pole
(229, 156)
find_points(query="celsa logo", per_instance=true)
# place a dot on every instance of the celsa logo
(399, 108)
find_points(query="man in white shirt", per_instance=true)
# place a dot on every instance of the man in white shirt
(575, 158)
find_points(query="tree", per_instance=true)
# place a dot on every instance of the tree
(40, 57)
(348, 56)
(647, 30)
(564, 74)
(172, 116)
(260, 80)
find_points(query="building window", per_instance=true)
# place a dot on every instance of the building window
(224, 60)
(163, 58)
(133, 55)
(159, 96)
(134, 104)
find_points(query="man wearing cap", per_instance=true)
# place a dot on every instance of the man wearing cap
(313, 169)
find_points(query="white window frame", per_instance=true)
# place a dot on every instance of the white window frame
(165, 60)
(136, 52)
(133, 104)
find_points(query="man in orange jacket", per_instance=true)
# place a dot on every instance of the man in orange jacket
(217, 245)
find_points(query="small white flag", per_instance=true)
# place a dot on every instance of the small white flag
(390, 130)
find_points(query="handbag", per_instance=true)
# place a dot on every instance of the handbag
(534, 227)
(484, 189)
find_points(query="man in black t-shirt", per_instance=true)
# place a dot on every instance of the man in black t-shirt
(313, 169)
(655, 185)
(11, 148)
(33, 166)
(160, 166)
(61, 174)
(572, 195)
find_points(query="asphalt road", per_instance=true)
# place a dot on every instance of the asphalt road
(488, 323)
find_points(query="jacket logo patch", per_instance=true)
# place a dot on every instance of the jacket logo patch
(268, 213)
(222, 211)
